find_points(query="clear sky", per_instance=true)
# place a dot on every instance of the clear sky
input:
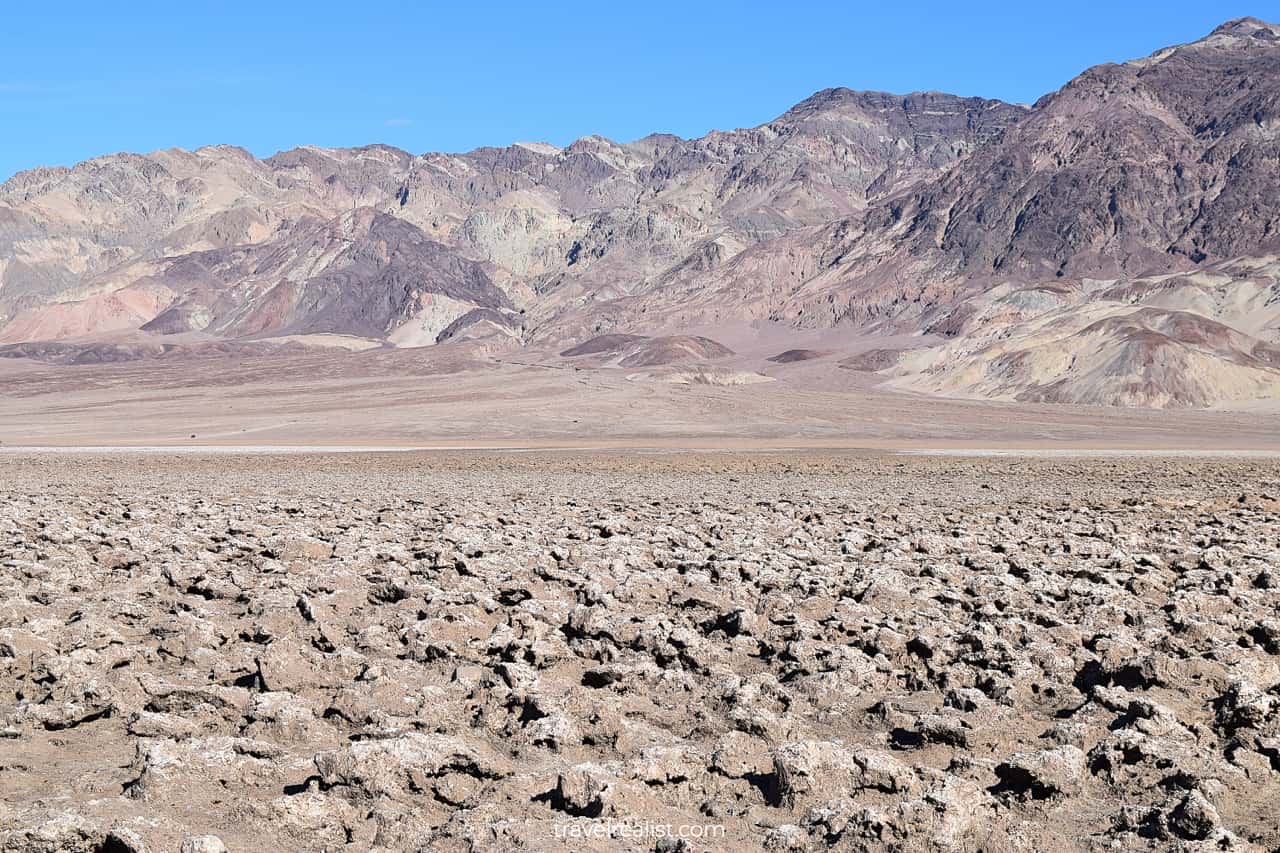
(78, 79)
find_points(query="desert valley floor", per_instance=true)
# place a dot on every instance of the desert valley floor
(452, 397)
(638, 651)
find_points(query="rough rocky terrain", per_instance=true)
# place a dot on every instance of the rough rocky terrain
(470, 652)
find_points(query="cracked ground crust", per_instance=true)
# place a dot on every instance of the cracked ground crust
(469, 651)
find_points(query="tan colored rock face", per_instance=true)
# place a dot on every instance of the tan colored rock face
(1161, 341)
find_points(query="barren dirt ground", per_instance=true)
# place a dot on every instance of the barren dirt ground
(424, 398)
(638, 652)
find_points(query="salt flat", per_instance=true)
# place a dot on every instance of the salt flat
(500, 651)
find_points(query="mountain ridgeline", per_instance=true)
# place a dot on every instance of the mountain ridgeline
(1116, 243)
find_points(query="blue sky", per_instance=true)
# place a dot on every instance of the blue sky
(98, 77)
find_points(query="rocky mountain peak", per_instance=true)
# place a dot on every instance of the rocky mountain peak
(852, 208)
(1249, 27)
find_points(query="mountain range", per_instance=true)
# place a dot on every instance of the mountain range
(1115, 243)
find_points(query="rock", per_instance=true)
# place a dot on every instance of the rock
(1040, 775)
(738, 755)
(395, 767)
(64, 833)
(123, 840)
(1194, 817)
(203, 844)
(172, 726)
(583, 790)
(883, 772)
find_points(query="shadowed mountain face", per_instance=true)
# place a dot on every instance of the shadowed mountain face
(365, 274)
(879, 213)
(1131, 168)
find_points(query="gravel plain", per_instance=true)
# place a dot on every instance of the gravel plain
(622, 651)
